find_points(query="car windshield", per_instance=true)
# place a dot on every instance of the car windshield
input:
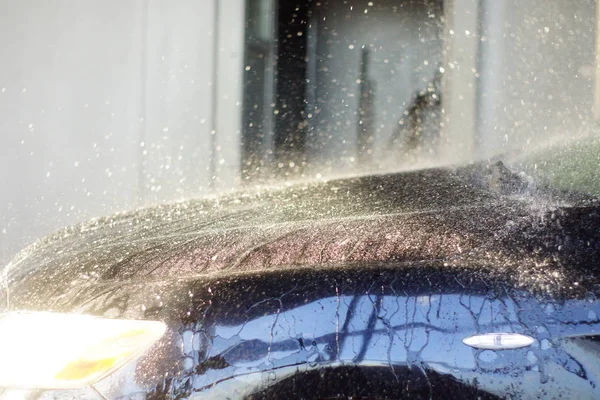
(114, 106)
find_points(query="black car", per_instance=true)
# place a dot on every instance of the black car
(442, 283)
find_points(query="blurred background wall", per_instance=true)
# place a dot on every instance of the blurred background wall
(111, 105)
(537, 67)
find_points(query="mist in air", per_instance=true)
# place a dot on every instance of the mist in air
(108, 107)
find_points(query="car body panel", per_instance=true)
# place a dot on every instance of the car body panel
(378, 276)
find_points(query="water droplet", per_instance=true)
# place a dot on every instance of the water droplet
(488, 356)
(546, 344)
(531, 357)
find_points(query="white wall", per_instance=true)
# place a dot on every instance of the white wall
(459, 120)
(178, 98)
(107, 106)
(542, 86)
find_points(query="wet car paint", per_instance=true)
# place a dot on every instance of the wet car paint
(250, 332)
(378, 277)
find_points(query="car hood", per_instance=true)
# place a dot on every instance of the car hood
(482, 218)
(366, 286)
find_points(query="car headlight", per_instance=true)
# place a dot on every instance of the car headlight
(43, 350)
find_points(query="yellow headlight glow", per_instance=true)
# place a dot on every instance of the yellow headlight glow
(43, 350)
